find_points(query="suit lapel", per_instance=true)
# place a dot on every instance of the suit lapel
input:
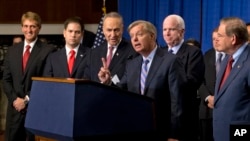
(157, 61)
(234, 72)
(181, 52)
(137, 74)
(34, 53)
(117, 56)
(62, 59)
(79, 58)
(19, 57)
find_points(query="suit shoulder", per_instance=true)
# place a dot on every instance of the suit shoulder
(209, 52)
(193, 51)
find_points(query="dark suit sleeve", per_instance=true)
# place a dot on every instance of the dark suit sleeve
(195, 69)
(207, 86)
(87, 72)
(7, 79)
(48, 70)
(176, 82)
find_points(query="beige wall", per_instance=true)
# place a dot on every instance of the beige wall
(13, 29)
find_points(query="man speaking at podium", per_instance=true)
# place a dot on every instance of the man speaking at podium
(155, 74)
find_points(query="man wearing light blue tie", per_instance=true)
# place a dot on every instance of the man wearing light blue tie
(163, 81)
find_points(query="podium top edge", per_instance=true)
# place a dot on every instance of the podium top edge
(62, 80)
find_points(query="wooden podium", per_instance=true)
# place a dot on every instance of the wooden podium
(74, 110)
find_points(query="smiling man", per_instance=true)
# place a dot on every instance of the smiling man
(23, 61)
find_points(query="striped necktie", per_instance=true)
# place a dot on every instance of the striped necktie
(144, 73)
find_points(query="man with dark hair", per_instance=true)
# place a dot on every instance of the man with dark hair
(70, 61)
(88, 39)
(212, 59)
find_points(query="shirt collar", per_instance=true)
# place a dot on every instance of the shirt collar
(31, 44)
(177, 47)
(151, 55)
(69, 49)
(238, 53)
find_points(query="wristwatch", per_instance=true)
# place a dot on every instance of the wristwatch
(26, 99)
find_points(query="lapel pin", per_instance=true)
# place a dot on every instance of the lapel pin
(81, 55)
(117, 54)
(238, 66)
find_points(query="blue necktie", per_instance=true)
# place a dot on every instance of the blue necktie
(144, 73)
(171, 51)
(218, 61)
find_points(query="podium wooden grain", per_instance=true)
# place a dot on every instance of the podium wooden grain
(40, 138)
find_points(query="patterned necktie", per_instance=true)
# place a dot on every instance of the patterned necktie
(144, 73)
(26, 56)
(71, 61)
(110, 55)
(227, 71)
(218, 61)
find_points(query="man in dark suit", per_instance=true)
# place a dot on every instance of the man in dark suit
(17, 79)
(57, 62)
(162, 83)
(88, 38)
(206, 91)
(232, 95)
(192, 61)
(121, 52)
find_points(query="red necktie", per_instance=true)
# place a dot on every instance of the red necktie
(71, 61)
(26, 56)
(227, 71)
(110, 55)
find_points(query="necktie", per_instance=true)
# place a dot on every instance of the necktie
(170, 51)
(144, 73)
(110, 55)
(71, 61)
(218, 61)
(227, 71)
(26, 56)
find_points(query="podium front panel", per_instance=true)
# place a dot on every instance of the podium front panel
(72, 110)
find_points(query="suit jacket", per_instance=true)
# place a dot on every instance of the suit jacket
(17, 83)
(194, 68)
(193, 63)
(89, 38)
(117, 65)
(57, 64)
(163, 84)
(207, 87)
(232, 101)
